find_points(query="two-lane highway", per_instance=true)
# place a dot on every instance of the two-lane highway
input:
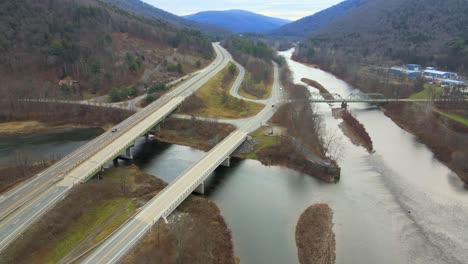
(23, 205)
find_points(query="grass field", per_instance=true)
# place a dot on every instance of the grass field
(455, 117)
(218, 103)
(261, 86)
(117, 211)
(264, 141)
(429, 90)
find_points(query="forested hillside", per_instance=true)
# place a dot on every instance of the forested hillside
(428, 32)
(95, 43)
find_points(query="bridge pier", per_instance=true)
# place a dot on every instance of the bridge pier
(201, 188)
(128, 152)
(227, 162)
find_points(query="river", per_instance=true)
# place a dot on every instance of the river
(397, 205)
(47, 145)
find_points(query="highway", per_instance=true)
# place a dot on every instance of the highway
(177, 191)
(23, 205)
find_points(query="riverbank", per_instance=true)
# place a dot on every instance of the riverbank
(30, 127)
(353, 129)
(447, 139)
(315, 238)
(270, 148)
(36, 116)
(198, 134)
(100, 208)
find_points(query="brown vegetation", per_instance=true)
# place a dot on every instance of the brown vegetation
(196, 233)
(61, 113)
(436, 131)
(315, 239)
(286, 154)
(325, 93)
(194, 133)
(353, 129)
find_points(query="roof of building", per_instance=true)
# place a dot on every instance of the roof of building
(436, 72)
(455, 82)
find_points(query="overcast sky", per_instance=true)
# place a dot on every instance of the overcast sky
(292, 9)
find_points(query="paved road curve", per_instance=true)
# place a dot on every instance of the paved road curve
(23, 205)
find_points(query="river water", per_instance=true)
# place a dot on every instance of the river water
(46, 145)
(397, 205)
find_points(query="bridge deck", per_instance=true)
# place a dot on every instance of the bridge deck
(165, 202)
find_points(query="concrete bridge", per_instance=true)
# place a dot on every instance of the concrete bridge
(23, 205)
(166, 201)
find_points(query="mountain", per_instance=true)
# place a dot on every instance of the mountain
(143, 9)
(97, 44)
(304, 27)
(417, 31)
(238, 21)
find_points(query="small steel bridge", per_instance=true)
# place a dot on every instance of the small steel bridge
(376, 98)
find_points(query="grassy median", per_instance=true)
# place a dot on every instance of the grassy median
(256, 90)
(213, 99)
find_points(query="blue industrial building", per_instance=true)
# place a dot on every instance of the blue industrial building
(440, 74)
(412, 74)
(413, 67)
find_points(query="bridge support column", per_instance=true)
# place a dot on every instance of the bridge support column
(201, 188)
(226, 162)
(128, 152)
(165, 220)
(115, 161)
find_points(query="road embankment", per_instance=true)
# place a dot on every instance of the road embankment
(315, 238)
(447, 139)
(196, 233)
(94, 210)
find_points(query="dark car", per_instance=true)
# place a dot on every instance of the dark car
(114, 130)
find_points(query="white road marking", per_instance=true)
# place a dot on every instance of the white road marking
(14, 198)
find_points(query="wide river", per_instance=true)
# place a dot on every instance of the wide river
(397, 205)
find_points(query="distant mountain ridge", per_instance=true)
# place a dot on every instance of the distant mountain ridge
(143, 9)
(238, 21)
(306, 26)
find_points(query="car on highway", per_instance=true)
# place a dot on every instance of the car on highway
(114, 130)
(272, 105)
(281, 88)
